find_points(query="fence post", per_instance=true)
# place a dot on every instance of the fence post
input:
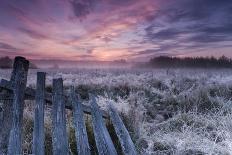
(38, 132)
(104, 143)
(59, 134)
(79, 125)
(7, 109)
(19, 86)
(122, 133)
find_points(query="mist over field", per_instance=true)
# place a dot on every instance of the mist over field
(167, 111)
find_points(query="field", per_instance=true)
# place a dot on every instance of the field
(167, 111)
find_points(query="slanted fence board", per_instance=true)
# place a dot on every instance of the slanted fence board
(122, 133)
(38, 132)
(104, 143)
(15, 140)
(79, 125)
(59, 134)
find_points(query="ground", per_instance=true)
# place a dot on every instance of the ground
(167, 111)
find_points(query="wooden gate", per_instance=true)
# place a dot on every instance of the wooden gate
(14, 92)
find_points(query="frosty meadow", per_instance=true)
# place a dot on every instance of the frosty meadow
(166, 111)
(15, 92)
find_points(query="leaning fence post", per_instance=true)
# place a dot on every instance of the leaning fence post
(104, 143)
(59, 135)
(122, 133)
(19, 86)
(79, 125)
(38, 132)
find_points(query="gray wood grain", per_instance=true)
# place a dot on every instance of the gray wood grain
(59, 134)
(104, 143)
(6, 112)
(6, 96)
(19, 86)
(79, 124)
(5, 125)
(30, 93)
(38, 132)
(122, 133)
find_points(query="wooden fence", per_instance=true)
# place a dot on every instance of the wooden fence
(14, 92)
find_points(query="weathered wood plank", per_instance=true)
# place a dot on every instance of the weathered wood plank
(15, 140)
(5, 125)
(48, 97)
(79, 124)
(6, 96)
(38, 132)
(59, 134)
(104, 143)
(122, 133)
(6, 115)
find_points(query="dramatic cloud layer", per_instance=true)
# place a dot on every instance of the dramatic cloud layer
(115, 29)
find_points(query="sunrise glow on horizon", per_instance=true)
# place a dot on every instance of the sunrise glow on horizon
(135, 30)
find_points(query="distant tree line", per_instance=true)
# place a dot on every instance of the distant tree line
(6, 63)
(190, 62)
(120, 61)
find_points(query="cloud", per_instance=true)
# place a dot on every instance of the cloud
(8, 47)
(183, 24)
(12, 51)
(159, 51)
(106, 38)
(84, 56)
(82, 8)
(192, 16)
(33, 34)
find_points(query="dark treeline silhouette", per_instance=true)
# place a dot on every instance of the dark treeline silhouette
(6, 63)
(190, 62)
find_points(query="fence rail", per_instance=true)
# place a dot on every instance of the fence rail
(14, 92)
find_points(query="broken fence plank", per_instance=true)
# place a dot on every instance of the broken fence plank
(122, 133)
(59, 134)
(104, 143)
(30, 92)
(15, 140)
(38, 132)
(79, 125)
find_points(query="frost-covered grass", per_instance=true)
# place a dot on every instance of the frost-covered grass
(166, 111)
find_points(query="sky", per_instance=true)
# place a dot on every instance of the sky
(135, 30)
